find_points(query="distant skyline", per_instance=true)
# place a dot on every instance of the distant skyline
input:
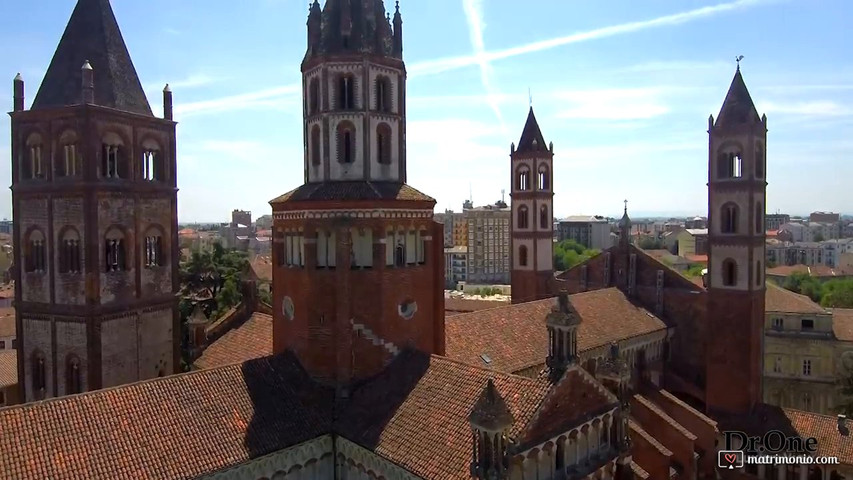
(623, 92)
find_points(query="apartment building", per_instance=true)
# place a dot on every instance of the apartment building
(488, 244)
(772, 221)
(810, 231)
(824, 217)
(589, 231)
(455, 266)
(830, 253)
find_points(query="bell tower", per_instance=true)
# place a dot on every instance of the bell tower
(532, 215)
(358, 260)
(736, 207)
(94, 198)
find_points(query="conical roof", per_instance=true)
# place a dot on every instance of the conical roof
(738, 108)
(491, 412)
(92, 35)
(353, 26)
(531, 137)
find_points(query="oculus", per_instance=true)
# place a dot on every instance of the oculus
(287, 308)
(407, 309)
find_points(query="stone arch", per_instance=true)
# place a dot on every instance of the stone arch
(522, 178)
(729, 217)
(279, 475)
(730, 161)
(68, 157)
(345, 91)
(115, 249)
(70, 249)
(114, 161)
(35, 251)
(383, 143)
(73, 375)
(154, 246)
(314, 150)
(543, 177)
(523, 219)
(729, 272)
(522, 256)
(346, 142)
(33, 161)
(383, 94)
(153, 160)
(544, 218)
(314, 96)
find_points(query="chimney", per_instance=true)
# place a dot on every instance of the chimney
(842, 424)
(88, 87)
(18, 93)
(167, 103)
(563, 301)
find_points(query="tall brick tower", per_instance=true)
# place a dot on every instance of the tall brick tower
(359, 261)
(532, 215)
(95, 219)
(736, 207)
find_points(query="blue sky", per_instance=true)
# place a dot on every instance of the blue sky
(623, 90)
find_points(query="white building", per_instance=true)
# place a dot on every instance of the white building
(589, 231)
(455, 266)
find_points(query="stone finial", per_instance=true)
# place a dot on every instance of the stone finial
(198, 316)
(18, 93)
(563, 314)
(168, 109)
(491, 413)
(88, 86)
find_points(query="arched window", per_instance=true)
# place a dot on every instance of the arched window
(729, 272)
(153, 166)
(759, 162)
(729, 165)
(33, 164)
(544, 182)
(113, 161)
(729, 218)
(69, 251)
(72, 375)
(35, 253)
(400, 254)
(39, 374)
(315, 145)
(383, 94)
(115, 251)
(70, 162)
(544, 218)
(522, 179)
(346, 92)
(523, 214)
(522, 256)
(383, 144)
(758, 273)
(153, 248)
(314, 97)
(346, 142)
(759, 218)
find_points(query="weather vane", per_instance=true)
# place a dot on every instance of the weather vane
(626, 206)
(738, 59)
(530, 96)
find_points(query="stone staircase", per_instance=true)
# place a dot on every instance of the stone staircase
(368, 334)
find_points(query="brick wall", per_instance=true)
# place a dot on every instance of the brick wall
(38, 338)
(33, 213)
(68, 212)
(667, 431)
(70, 340)
(119, 351)
(697, 423)
(117, 211)
(649, 454)
(154, 338)
(155, 219)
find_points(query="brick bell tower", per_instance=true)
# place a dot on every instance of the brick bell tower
(95, 219)
(532, 215)
(736, 207)
(358, 272)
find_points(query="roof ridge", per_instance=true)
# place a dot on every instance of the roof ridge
(491, 372)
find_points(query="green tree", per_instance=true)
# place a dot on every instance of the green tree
(837, 294)
(846, 390)
(695, 270)
(805, 284)
(649, 243)
(569, 253)
(818, 237)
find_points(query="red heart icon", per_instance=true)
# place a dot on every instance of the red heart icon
(731, 457)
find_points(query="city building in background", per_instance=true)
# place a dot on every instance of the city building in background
(590, 231)
(488, 244)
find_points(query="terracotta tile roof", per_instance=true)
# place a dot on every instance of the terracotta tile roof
(8, 368)
(262, 267)
(465, 305)
(514, 337)
(251, 340)
(815, 271)
(7, 291)
(186, 232)
(842, 324)
(415, 413)
(576, 398)
(7, 322)
(183, 426)
(781, 300)
(831, 441)
(355, 190)
(698, 258)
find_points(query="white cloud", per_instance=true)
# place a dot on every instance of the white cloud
(474, 17)
(452, 63)
(613, 104)
(268, 97)
(816, 108)
(671, 66)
